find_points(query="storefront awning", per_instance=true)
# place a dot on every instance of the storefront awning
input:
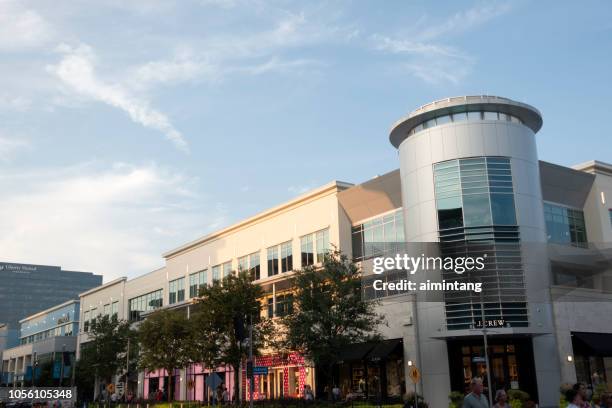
(385, 348)
(598, 343)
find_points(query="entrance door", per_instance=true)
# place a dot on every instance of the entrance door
(511, 363)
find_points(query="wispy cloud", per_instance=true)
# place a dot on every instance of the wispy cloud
(466, 20)
(113, 219)
(423, 52)
(76, 70)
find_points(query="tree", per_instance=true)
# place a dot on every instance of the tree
(219, 323)
(106, 351)
(329, 313)
(164, 343)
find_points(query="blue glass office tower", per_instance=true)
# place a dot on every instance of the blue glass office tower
(27, 289)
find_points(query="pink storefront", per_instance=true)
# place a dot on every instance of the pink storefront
(287, 375)
(196, 382)
(194, 385)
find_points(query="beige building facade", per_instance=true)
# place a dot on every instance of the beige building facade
(543, 342)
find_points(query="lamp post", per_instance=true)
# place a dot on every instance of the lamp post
(486, 348)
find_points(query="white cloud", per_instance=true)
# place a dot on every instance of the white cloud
(22, 28)
(422, 55)
(76, 70)
(278, 65)
(172, 71)
(115, 220)
(399, 46)
(465, 20)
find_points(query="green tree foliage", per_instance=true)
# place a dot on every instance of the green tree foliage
(105, 353)
(219, 309)
(164, 343)
(329, 312)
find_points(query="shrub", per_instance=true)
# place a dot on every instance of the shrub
(519, 395)
(456, 399)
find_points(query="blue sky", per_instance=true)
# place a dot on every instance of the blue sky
(129, 127)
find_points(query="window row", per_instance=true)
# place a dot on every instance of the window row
(462, 117)
(144, 303)
(565, 225)
(474, 192)
(378, 236)
(284, 306)
(111, 309)
(63, 330)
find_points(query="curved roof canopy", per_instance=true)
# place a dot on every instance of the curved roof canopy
(530, 116)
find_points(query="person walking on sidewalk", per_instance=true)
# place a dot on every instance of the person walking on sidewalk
(476, 399)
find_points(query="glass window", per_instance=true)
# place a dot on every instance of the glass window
(86, 321)
(565, 225)
(115, 309)
(107, 310)
(243, 263)
(441, 120)
(378, 236)
(216, 272)
(474, 115)
(273, 261)
(284, 305)
(502, 206)
(176, 290)
(514, 119)
(459, 117)
(227, 269)
(144, 303)
(196, 281)
(254, 266)
(429, 124)
(490, 116)
(610, 214)
(477, 210)
(307, 248)
(322, 244)
(286, 257)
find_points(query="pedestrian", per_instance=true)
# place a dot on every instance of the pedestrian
(224, 396)
(574, 398)
(219, 393)
(336, 393)
(501, 399)
(475, 399)
(308, 394)
(582, 390)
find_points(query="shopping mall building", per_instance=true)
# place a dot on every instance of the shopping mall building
(468, 173)
(47, 347)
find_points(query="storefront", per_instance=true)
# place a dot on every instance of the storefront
(510, 358)
(159, 380)
(287, 375)
(197, 388)
(593, 358)
(369, 370)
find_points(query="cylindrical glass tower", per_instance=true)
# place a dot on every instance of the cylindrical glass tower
(470, 175)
